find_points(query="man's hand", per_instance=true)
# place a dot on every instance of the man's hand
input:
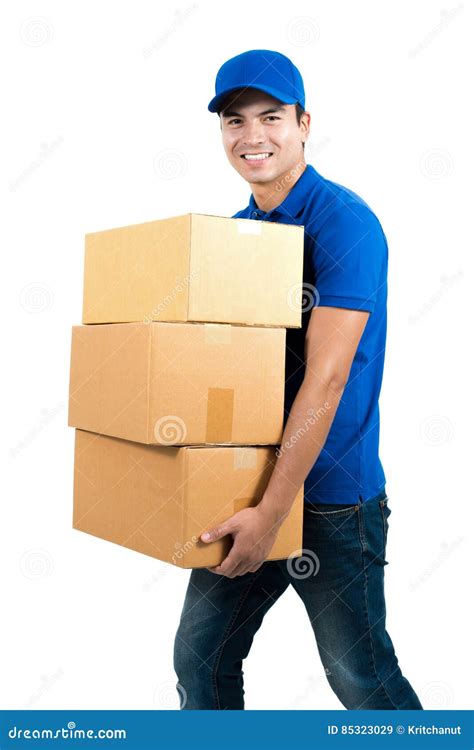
(254, 532)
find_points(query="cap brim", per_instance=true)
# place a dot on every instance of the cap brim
(215, 105)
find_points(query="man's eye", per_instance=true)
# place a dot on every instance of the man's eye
(237, 120)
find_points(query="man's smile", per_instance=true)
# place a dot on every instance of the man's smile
(261, 156)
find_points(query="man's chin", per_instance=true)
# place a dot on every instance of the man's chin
(257, 176)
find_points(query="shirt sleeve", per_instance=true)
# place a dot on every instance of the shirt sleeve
(349, 255)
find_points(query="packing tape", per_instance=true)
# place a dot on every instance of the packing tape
(220, 415)
(244, 502)
(249, 226)
(245, 458)
(217, 333)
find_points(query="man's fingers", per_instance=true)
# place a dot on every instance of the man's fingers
(237, 571)
(233, 566)
(250, 569)
(216, 571)
(228, 566)
(216, 533)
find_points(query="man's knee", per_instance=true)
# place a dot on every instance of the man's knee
(362, 688)
(195, 684)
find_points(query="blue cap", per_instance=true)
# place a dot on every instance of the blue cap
(260, 69)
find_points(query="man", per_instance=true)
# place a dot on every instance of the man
(334, 370)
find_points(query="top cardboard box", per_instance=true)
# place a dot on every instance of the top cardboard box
(195, 268)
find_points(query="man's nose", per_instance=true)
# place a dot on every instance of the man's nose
(253, 134)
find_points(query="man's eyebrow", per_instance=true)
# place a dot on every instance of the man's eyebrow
(228, 113)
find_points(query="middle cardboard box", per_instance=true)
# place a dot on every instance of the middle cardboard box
(179, 383)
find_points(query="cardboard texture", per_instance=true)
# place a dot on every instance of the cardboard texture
(158, 500)
(195, 268)
(179, 383)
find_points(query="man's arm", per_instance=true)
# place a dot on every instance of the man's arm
(331, 342)
(332, 339)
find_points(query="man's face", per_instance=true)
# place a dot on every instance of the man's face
(255, 124)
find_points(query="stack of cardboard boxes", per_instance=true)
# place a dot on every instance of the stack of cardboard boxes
(177, 381)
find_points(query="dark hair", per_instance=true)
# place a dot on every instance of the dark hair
(299, 112)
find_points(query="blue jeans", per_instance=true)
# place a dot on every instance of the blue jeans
(340, 580)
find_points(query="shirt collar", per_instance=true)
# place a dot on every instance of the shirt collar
(294, 203)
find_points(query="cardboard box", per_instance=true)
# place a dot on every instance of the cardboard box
(158, 500)
(179, 383)
(195, 268)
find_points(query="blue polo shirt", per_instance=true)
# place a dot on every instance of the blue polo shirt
(345, 265)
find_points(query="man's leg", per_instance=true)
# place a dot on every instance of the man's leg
(342, 589)
(219, 619)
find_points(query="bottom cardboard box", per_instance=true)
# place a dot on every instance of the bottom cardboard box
(158, 500)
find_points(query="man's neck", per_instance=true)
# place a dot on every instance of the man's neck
(269, 195)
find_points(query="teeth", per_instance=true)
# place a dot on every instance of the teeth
(256, 157)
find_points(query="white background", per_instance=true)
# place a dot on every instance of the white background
(105, 123)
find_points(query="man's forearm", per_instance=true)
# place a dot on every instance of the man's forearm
(306, 430)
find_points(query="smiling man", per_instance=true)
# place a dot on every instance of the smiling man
(334, 366)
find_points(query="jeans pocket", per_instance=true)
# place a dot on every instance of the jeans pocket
(331, 511)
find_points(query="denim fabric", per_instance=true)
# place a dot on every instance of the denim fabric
(340, 580)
